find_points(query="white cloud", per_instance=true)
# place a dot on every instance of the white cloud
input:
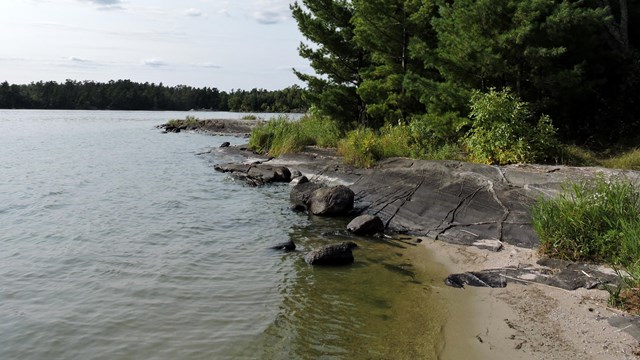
(78, 60)
(107, 5)
(154, 63)
(269, 12)
(209, 65)
(193, 12)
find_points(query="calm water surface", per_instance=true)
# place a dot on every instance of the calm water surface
(119, 242)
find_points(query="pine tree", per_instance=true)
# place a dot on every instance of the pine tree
(334, 56)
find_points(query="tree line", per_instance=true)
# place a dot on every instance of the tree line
(128, 95)
(383, 62)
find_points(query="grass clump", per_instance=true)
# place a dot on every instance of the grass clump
(592, 221)
(249, 117)
(361, 148)
(283, 136)
(188, 122)
(595, 221)
(629, 160)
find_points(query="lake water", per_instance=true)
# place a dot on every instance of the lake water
(119, 242)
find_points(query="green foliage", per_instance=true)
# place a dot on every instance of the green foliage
(282, 135)
(379, 62)
(501, 132)
(363, 146)
(334, 56)
(593, 221)
(128, 95)
(186, 123)
(360, 148)
(629, 160)
(249, 117)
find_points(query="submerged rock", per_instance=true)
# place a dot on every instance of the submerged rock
(366, 225)
(333, 201)
(286, 246)
(332, 255)
(225, 144)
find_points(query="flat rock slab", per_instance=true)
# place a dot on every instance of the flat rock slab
(557, 273)
(256, 174)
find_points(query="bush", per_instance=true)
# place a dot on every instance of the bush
(249, 117)
(501, 132)
(360, 148)
(593, 221)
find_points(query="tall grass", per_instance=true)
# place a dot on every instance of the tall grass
(282, 135)
(363, 147)
(594, 221)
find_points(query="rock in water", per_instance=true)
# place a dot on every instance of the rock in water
(299, 180)
(366, 225)
(301, 193)
(332, 201)
(225, 144)
(332, 255)
(286, 246)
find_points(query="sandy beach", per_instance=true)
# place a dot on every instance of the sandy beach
(524, 321)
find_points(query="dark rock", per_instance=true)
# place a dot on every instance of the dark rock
(332, 255)
(301, 193)
(295, 173)
(477, 279)
(257, 173)
(225, 144)
(286, 246)
(299, 180)
(366, 225)
(333, 201)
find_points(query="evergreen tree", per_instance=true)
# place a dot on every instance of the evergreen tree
(335, 57)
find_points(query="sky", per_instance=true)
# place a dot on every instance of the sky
(241, 44)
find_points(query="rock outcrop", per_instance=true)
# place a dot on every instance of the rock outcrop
(332, 255)
(256, 174)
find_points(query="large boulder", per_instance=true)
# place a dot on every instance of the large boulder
(366, 225)
(333, 201)
(301, 193)
(256, 174)
(333, 254)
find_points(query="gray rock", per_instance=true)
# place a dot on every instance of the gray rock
(257, 173)
(333, 201)
(488, 244)
(332, 255)
(295, 173)
(225, 144)
(366, 225)
(301, 193)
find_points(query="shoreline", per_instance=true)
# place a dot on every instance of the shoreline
(527, 319)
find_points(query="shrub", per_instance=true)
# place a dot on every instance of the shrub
(360, 148)
(249, 117)
(501, 132)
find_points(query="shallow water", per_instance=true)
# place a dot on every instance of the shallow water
(118, 242)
